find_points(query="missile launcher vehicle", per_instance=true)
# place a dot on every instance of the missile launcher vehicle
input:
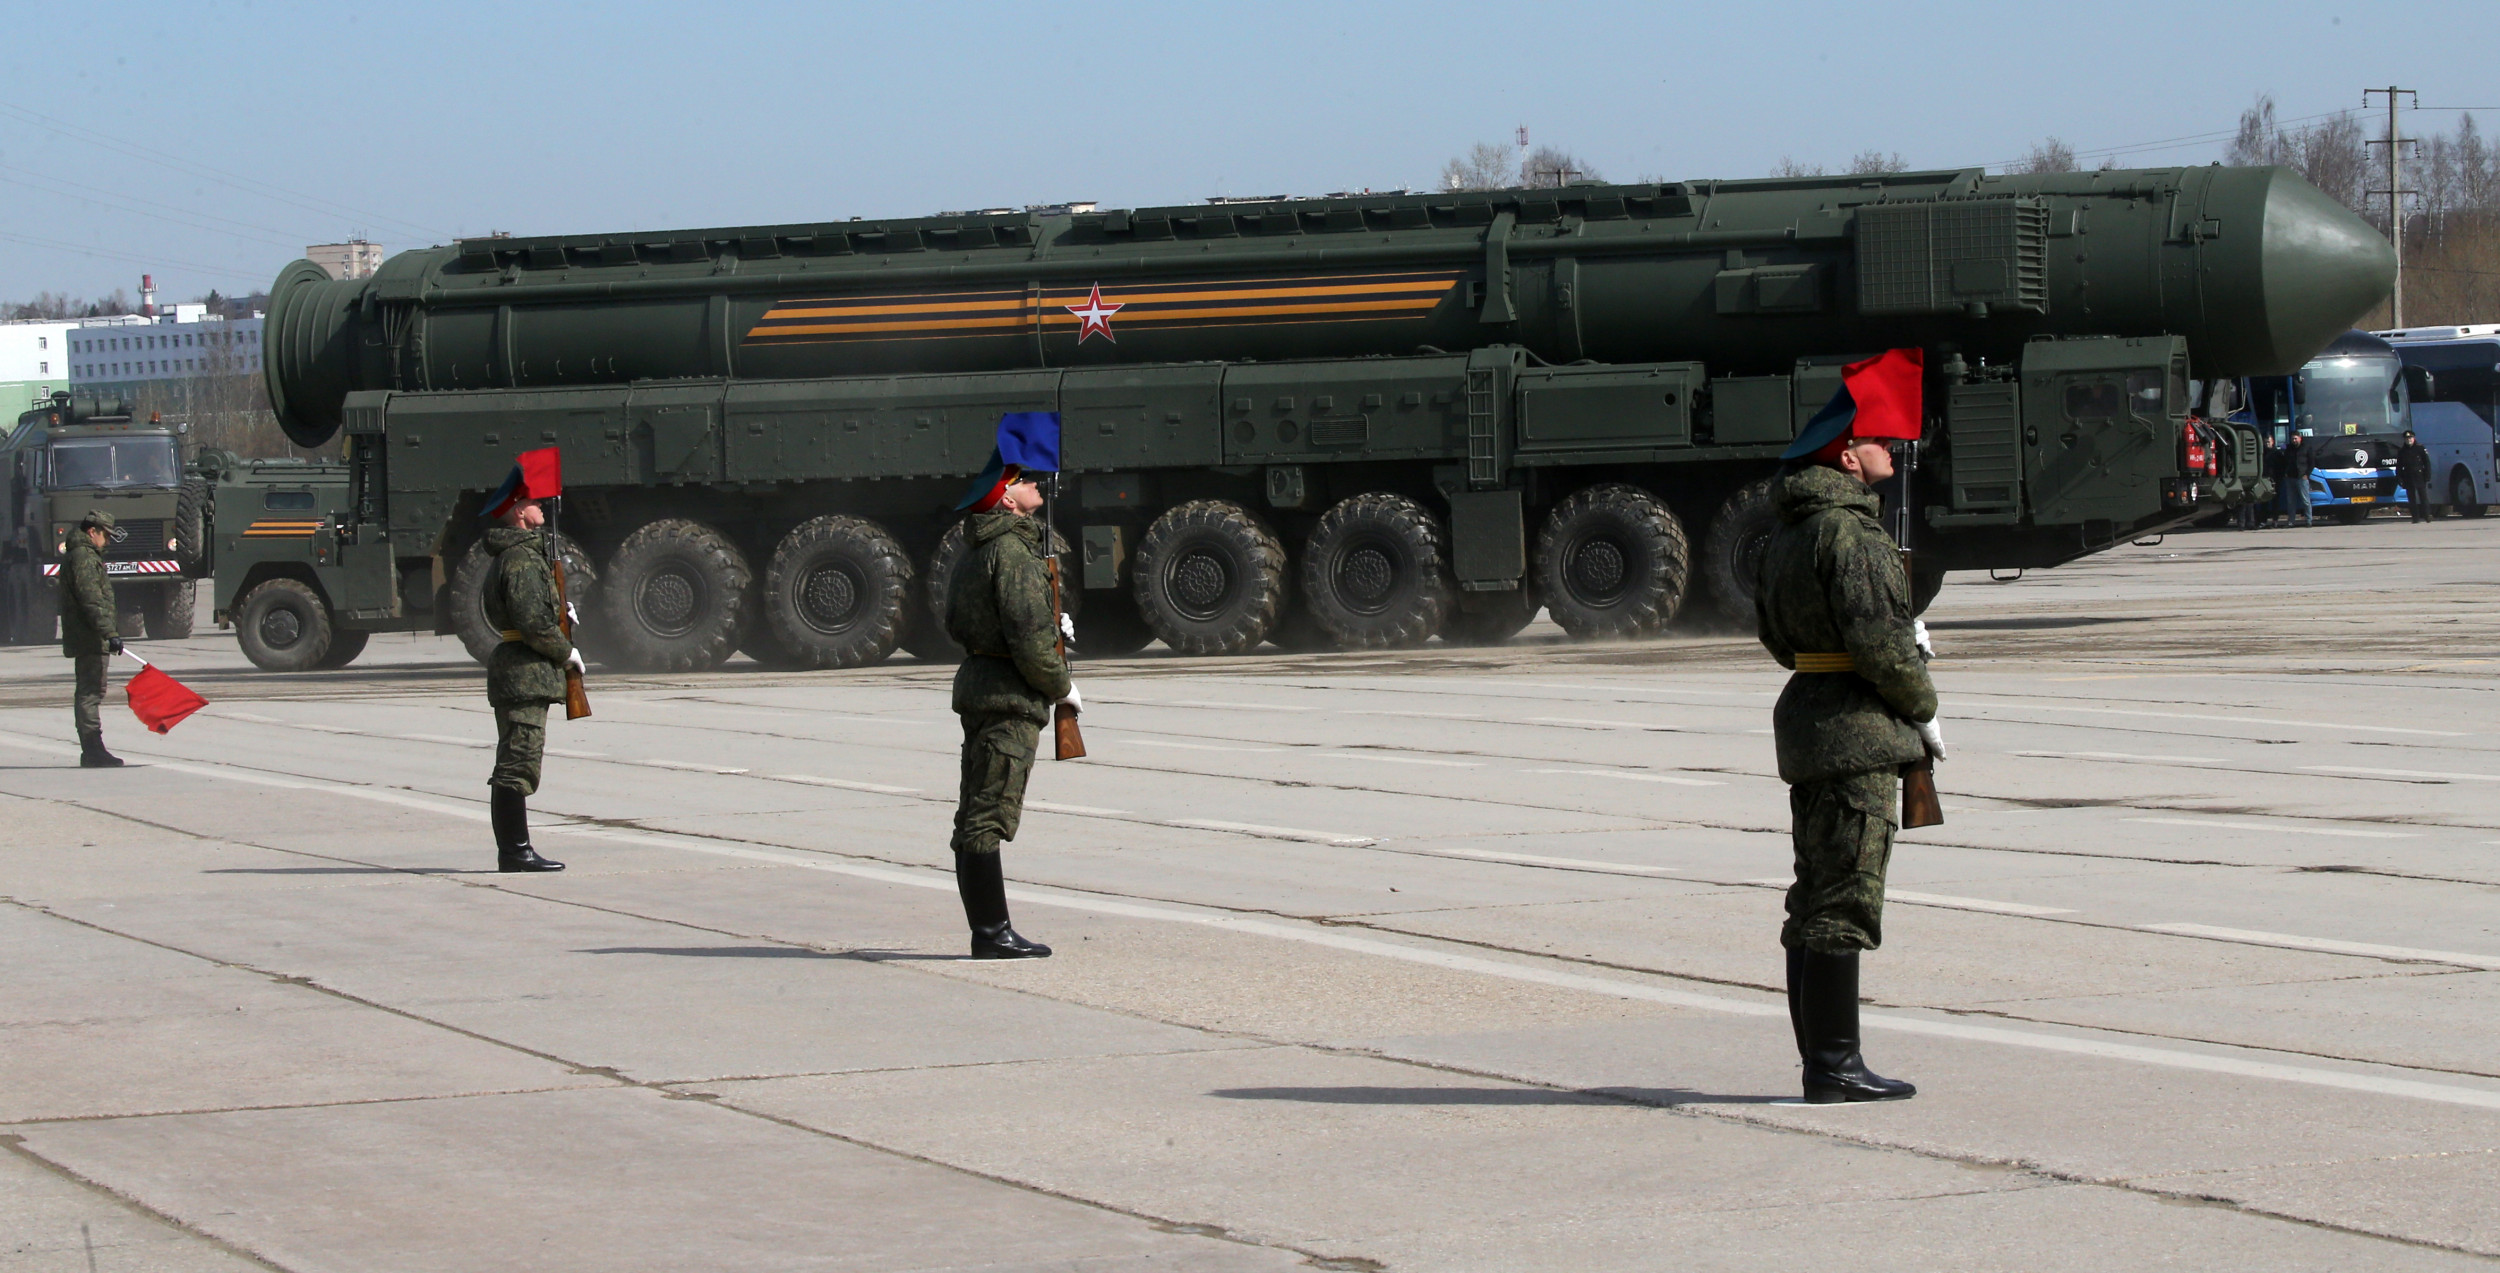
(1356, 421)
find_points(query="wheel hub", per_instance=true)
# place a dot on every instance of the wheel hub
(1365, 577)
(1595, 571)
(1201, 581)
(666, 601)
(281, 628)
(829, 598)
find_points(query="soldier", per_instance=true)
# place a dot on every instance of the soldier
(998, 607)
(87, 632)
(2413, 471)
(1834, 607)
(526, 672)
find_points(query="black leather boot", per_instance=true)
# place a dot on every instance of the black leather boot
(984, 889)
(1796, 989)
(91, 754)
(1826, 993)
(512, 833)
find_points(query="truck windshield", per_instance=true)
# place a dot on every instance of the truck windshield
(107, 462)
(2350, 395)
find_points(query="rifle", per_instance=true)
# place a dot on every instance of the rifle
(1920, 806)
(1067, 740)
(576, 699)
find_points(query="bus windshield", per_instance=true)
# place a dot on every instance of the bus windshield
(2351, 395)
(93, 463)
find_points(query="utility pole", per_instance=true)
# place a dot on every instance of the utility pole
(2395, 192)
(1523, 154)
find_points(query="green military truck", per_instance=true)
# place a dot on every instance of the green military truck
(72, 453)
(1360, 421)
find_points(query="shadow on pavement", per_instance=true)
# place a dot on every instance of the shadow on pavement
(1485, 1096)
(763, 952)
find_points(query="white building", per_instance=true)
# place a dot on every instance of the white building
(34, 362)
(127, 350)
(352, 259)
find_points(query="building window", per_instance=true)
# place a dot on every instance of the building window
(43, 368)
(43, 342)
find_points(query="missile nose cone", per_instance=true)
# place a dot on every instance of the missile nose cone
(2324, 268)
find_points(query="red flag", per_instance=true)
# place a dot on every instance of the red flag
(1886, 390)
(159, 701)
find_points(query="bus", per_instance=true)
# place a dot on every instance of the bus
(2350, 405)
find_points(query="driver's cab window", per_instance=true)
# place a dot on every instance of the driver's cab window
(287, 501)
(2099, 398)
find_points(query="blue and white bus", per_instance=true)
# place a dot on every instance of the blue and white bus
(2452, 376)
(2349, 405)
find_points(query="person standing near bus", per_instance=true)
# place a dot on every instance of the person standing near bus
(2296, 467)
(2413, 470)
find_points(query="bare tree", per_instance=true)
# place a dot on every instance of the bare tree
(2051, 155)
(1870, 163)
(1485, 166)
(1550, 166)
(1788, 167)
(63, 305)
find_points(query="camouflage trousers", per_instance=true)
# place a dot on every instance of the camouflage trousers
(520, 746)
(1842, 829)
(87, 704)
(998, 759)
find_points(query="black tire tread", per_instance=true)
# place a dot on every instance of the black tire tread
(874, 637)
(1639, 615)
(303, 657)
(1248, 625)
(1433, 592)
(716, 636)
(1722, 567)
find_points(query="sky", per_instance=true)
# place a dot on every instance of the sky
(207, 142)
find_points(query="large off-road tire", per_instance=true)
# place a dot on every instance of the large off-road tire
(837, 592)
(168, 607)
(1612, 562)
(1376, 572)
(345, 645)
(467, 591)
(1210, 578)
(2461, 496)
(1731, 552)
(189, 530)
(1111, 627)
(1490, 618)
(284, 626)
(679, 596)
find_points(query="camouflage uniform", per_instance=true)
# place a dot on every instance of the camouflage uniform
(87, 631)
(998, 608)
(1832, 583)
(526, 672)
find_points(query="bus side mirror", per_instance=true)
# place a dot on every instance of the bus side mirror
(2421, 384)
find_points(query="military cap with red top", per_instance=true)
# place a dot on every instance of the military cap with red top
(535, 474)
(1878, 399)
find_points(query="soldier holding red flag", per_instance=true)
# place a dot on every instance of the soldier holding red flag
(1833, 603)
(526, 672)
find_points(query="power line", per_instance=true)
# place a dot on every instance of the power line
(157, 261)
(2172, 143)
(261, 189)
(195, 220)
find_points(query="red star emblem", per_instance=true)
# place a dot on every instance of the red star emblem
(1096, 316)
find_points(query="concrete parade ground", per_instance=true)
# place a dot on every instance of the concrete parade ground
(1444, 959)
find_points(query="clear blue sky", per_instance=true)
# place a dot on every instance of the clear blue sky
(250, 129)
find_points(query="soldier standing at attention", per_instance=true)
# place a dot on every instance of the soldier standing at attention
(1834, 606)
(526, 672)
(998, 607)
(87, 633)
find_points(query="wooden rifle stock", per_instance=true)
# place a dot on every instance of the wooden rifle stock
(1919, 805)
(1067, 740)
(576, 699)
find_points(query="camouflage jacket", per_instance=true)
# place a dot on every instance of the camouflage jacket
(998, 609)
(1832, 583)
(86, 598)
(521, 597)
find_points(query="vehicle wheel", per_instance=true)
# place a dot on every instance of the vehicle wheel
(466, 595)
(928, 639)
(678, 596)
(1376, 572)
(2461, 496)
(1731, 554)
(1210, 578)
(1612, 562)
(190, 528)
(168, 608)
(344, 647)
(1490, 618)
(1925, 582)
(284, 626)
(1111, 628)
(836, 593)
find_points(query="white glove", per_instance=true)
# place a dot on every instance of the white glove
(1075, 702)
(1918, 637)
(572, 617)
(1931, 732)
(573, 663)
(1067, 627)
